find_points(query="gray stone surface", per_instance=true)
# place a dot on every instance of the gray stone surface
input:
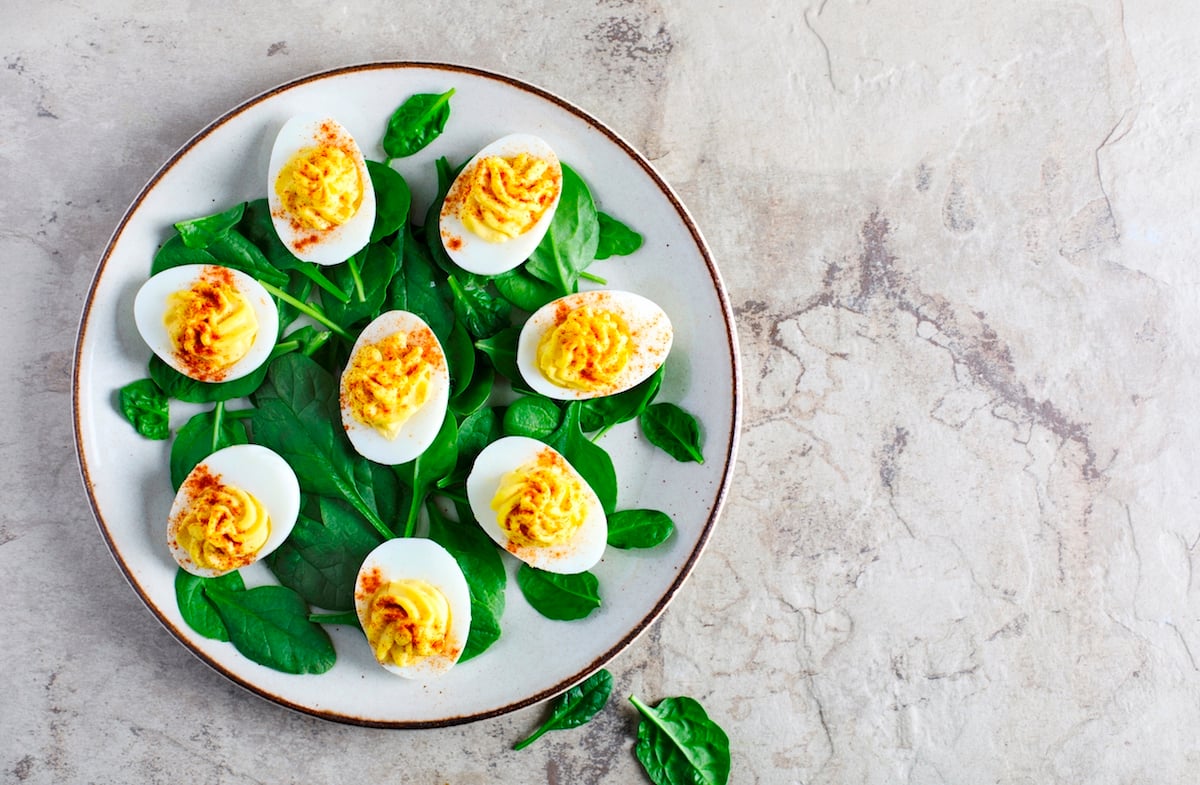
(960, 238)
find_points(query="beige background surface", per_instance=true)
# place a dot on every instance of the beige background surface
(960, 239)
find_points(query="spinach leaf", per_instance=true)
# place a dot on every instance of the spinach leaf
(232, 249)
(589, 459)
(476, 431)
(146, 407)
(183, 388)
(460, 357)
(556, 596)
(418, 287)
(431, 229)
(574, 707)
(196, 609)
(200, 437)
(392, 199)
(601, 414)
(320, 558)
(257, 227)
(416, 123)
(483, 568)
(639, 528)
(202, 232)
(501, 349)
(476, 308)
(533, 416)
(270, 626)
(298, 416)
(477, 391)
(616, 239)
(678, 744)
(423, 473)
(523, 290)
(364, 278)
(173, 253)
(674, 430)
(570, 243)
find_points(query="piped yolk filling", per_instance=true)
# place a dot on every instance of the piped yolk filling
(212, 325)
(541, 503)
(587, 349)
(321, 187)
(407, 621)
(506, 196)
(390, 380)
(223, 527)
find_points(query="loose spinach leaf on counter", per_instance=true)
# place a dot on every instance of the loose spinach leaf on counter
(574, 707)
(570, 243)
(673, 430)
(616, 239)
(483, 568)
(320, 559)
(416, 123)
(560, 597)
(197, 610)
(677, 743)
(639, 528)
(146, 407)
(270, 625)
(200, 437)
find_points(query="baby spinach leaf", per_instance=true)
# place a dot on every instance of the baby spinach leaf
(146, 407)
(320, 559)
(501, 349)
(416, 123)
(477, 391)
(574, 707)
(173, 253)
(431, 230)
(476, 431)
(639, 528)
(677, 744)
(298, 416)
(523, 290)
(257, 227)
(202, 232)
(482, 313)
(270, 626)
(200, 437)
(533, 416)
(197, 610)
(674, 430)
(560, 597)
(232, 249)
(182, 388)
(423, 473)
(601, 414)
(570, 243)
(460, 357)
(589, 459)
(392, 199)
(417, 288)
(483, 568)
(616, 239)
(365, 279)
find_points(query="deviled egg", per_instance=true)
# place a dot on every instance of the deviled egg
(235, 507)
(319, 191)
(533, 503)
(414, 606)
(395, 388)
(210, 323)
(501, 204)
(592, 344)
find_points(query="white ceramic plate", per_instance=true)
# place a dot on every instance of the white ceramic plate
(127, 476)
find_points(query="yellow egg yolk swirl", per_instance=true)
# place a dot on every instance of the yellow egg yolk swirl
(407, 621)
(587, 349)
(211, 325)
(506, 196)
(224, 527)
(321, 187)
(388, 381)
(540, 503)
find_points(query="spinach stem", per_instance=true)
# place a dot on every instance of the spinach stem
(307, 309)
(593, 278)
(352, 264)
(239, 414)
(314, 274)
(218, 418)
(414, 510)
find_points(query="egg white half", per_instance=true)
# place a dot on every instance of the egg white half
(580, 553)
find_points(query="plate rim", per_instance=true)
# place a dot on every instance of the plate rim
(727, 316)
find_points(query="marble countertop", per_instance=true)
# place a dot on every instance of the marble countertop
(960, 243)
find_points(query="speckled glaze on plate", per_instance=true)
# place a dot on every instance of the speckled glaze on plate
(126, 476)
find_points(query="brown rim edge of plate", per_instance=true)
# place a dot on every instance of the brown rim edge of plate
(735, 419)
